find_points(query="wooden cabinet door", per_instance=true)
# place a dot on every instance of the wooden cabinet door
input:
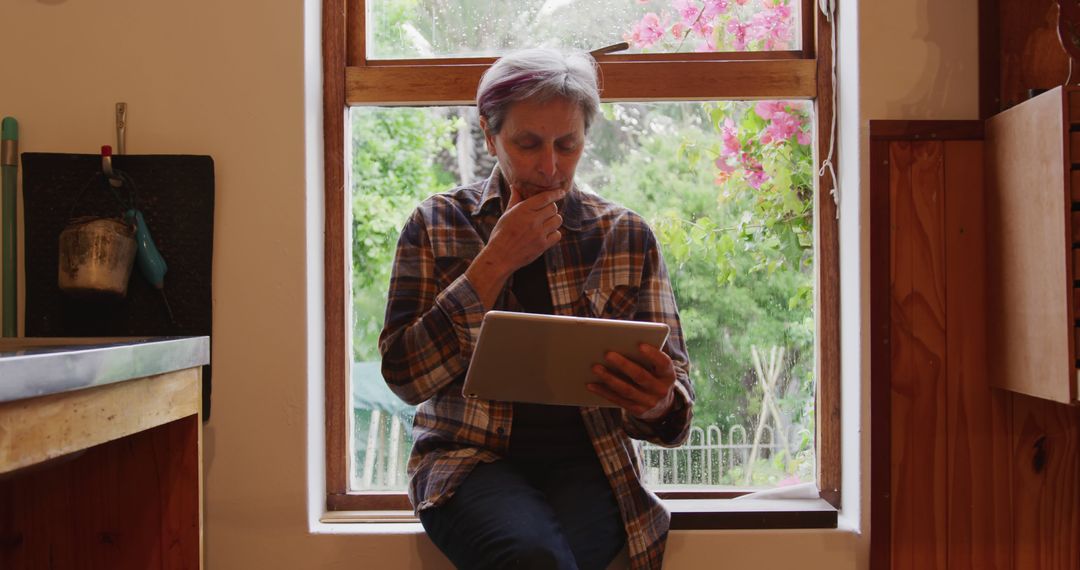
(1030, 312)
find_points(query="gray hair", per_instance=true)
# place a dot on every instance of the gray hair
(539, 73)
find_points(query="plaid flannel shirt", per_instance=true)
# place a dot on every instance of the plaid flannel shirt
(607, 265)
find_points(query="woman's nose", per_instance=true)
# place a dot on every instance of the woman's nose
(547, 162)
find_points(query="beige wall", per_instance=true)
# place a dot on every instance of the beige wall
(919, 59)
(228, 79)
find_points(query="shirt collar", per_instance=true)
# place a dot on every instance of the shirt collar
(491, 201)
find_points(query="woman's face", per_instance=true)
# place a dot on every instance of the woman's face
(539, 145)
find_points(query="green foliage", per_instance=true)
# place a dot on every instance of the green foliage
(740, 270)
(393, 169)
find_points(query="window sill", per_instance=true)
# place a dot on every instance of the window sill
(728, 514)
(686, 514)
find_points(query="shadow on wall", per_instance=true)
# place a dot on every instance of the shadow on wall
(948, 34)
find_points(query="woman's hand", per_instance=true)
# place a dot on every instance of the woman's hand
(523, 233)
(526, 229)
(647, 392)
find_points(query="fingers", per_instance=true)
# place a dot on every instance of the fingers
(538, 202)
(619, 391)
(543, 199)
(636, 387)
(552, 239)
(631, 406)
(633, 371)
(552, 224)
(659, 359)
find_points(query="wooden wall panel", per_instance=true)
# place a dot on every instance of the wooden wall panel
(1046, 484)
(918, 335)
(900, 258)
(1031, 56)
(979, 524)
(997, 485)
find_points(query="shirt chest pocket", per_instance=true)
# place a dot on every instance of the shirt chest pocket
(611, 293)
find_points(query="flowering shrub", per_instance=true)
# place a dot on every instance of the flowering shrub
(715, 25)
(763, 167)
(763, 148)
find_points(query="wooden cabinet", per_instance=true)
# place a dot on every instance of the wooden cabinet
(1033, 244)
(104, 477)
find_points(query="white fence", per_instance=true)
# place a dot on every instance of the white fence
(708, 458)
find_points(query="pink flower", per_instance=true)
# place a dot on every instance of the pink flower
(723, 165)
(766, 109)
(738, 30)
(646, 32)
(714, 8)
(792, 480)
(755, 173)
(785, 121)
(772, 25)
(781, 128)
(688, 11)
(642, 1)
(704, 29)
(755, 178)
(729, 137)
(699, 17)
(677, 30)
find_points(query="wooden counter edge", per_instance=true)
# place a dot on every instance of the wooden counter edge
(38, 429)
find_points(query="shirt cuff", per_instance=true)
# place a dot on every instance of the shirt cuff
(669, 427)
(461, 304)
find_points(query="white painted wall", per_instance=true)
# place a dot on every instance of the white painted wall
(239, 81)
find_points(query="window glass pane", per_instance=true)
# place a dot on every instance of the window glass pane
(468, 28)
(727, 187)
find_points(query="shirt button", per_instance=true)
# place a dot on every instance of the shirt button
(500, 430)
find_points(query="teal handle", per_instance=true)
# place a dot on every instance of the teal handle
(147, 257)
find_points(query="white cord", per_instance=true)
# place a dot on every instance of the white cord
(828, 7)
(1069, 77)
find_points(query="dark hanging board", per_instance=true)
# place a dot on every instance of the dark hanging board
(176, 196)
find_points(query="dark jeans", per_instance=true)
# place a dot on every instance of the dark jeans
(534, 515)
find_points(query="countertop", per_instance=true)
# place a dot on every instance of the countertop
(31, 367)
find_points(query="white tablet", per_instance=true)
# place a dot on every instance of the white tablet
(547, 359)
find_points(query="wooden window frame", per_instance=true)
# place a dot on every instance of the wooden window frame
(800, 74)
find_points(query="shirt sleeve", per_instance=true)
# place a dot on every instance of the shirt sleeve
(656, 303)
(429, 334)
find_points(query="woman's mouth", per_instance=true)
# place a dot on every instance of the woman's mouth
(538, 188)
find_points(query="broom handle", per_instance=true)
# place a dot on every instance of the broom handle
(9, 164)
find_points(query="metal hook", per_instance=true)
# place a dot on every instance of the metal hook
(121, 128)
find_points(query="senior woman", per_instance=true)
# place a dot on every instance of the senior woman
(500, 484)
